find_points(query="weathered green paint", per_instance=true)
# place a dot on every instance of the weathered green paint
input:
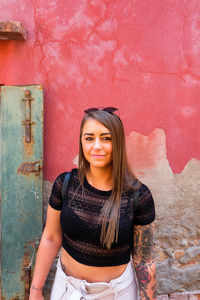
(22, 194)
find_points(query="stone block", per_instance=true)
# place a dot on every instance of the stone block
(163, 297)
(179, 254)
(178, 297)
(190, 253)
(194, 297)
(169, 252)
(10, 30)
(172, 279)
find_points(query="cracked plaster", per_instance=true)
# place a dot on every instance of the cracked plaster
(177, 210)
(142, 57)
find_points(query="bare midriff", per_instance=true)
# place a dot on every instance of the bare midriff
(71, 267)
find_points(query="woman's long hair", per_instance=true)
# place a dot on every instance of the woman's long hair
(123, 178)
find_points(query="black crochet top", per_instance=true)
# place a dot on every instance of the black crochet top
(81, 221)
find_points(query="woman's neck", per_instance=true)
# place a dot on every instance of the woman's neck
(100, 178)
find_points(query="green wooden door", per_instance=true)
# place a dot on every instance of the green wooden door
(21, 185)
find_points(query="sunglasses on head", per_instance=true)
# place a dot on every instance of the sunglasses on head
(108, 109)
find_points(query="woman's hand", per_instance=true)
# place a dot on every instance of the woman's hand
(35, 294)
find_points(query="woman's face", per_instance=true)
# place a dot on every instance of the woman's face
(97, 144)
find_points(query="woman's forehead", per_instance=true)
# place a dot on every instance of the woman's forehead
(92, 126)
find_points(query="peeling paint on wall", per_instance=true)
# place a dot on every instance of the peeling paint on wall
(141, 56)
(177, 203)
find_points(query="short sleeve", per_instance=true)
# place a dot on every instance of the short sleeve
(55, 200)
(146, 209)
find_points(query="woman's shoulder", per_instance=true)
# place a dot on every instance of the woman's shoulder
(138, 185)
(145, 207)
(144, 188)
(60, 178)
(141, 191)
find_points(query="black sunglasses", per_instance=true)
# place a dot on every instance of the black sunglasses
(108, 109)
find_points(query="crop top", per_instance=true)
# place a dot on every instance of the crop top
(81, 220)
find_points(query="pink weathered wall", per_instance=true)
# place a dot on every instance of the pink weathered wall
(142, 57)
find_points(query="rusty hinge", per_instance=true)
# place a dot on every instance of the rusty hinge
(30, 167)
(27, 122)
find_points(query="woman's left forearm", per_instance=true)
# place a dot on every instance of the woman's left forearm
(145, 271)
(144, 262)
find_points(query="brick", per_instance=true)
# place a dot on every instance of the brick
(179, 254)
(10, 30)
(162, 297)
(178, 297)
(194, 297)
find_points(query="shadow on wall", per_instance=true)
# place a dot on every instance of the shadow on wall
(177, 200)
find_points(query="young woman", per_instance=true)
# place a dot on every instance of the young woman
(104, 223)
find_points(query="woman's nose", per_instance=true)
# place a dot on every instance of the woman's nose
(97, 144)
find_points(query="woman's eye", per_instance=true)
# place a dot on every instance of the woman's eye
(88, 138)
(107, 138)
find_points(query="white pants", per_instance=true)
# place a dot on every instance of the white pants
(70, 288)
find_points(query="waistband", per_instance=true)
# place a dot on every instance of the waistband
(81, 289)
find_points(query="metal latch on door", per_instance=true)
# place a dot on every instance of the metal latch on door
(27, 122)
(30, 167)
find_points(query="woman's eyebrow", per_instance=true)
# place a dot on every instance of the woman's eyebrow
(102, 134)
(105, 133)
(87, 133)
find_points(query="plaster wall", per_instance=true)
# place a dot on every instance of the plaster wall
(144, 58)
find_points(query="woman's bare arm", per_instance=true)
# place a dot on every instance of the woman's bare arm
(144, 262)
(48, 249)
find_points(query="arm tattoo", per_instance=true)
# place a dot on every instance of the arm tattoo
(143, 273)
(147, 243)
(144, 279)
(143, 242)
(144, 262)
(136, 241)
(154, 287)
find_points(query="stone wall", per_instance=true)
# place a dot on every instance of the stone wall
(177, 201)
(180, 296)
